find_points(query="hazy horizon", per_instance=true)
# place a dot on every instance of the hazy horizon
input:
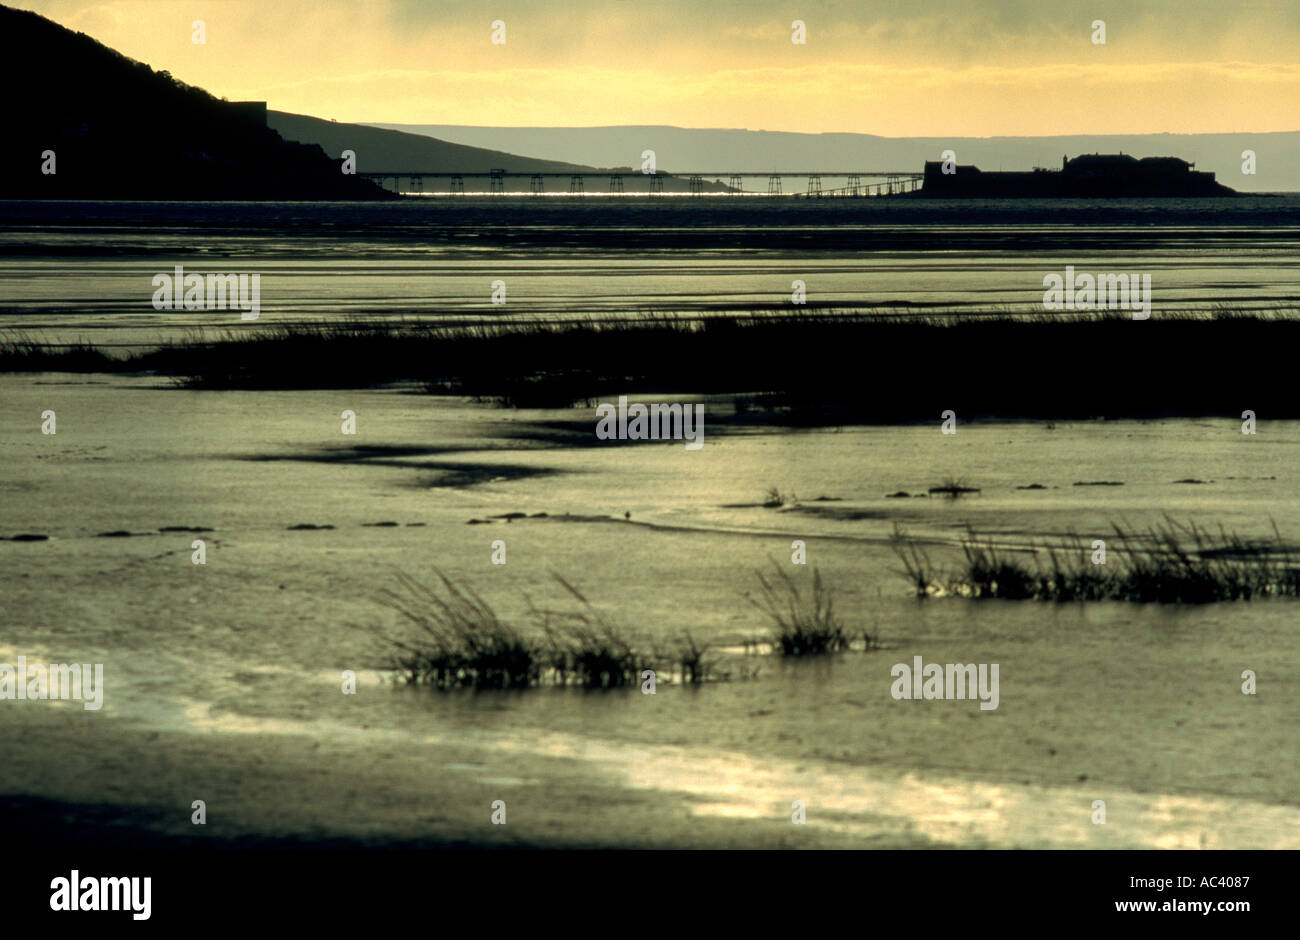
(678, 149)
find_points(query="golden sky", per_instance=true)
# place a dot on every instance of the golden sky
(890, 67)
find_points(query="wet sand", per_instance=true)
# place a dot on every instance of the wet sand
(223, 681)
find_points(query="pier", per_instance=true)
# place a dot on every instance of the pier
(494, 182)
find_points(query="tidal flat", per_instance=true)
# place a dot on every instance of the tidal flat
(222, 681)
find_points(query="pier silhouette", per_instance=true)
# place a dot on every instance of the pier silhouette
(859, 183)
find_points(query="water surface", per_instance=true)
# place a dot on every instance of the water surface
(70, 271)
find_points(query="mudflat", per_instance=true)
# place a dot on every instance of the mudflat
(223, 680)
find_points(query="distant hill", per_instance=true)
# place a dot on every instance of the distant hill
(679, 149)
(119, 130)
(380, 150)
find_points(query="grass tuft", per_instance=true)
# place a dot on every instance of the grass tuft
(20, 354)
(1169, 563)
(459, 641)
(806, 624)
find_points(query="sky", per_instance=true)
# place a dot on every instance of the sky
(896, 68)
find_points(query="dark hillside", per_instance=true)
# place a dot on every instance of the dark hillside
(120, 130)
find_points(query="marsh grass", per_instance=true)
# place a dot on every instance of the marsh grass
(917, 566)
(585, 648)
(804, 618)
(21, 354)
(1168, 563)
(690, 657)
(459, 641)
(797, 369)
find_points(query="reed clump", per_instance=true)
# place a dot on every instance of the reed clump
(805, 622)
(1167, 563)
(459, 641)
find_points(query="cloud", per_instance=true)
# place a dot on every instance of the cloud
(920, 66)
